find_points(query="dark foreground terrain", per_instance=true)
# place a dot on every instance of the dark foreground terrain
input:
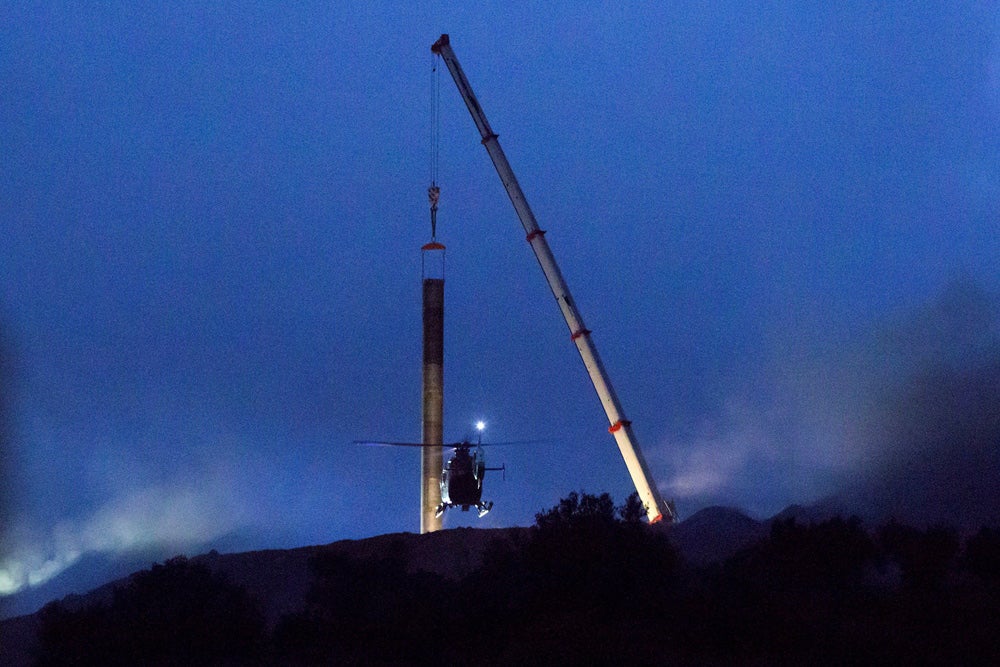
(588, 584)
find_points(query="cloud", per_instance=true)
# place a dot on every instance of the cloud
(174, 516)
(941, 455)
(903, 420)
(8, 390)
(933, 428)
(757, 453)
(714, 464)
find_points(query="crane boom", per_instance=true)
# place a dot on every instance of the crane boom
(621, 428)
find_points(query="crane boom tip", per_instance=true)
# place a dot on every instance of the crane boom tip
(442, 41)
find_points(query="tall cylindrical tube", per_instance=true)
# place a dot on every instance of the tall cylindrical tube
(433, 395)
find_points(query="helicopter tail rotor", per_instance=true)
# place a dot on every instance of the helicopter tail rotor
(502, 469)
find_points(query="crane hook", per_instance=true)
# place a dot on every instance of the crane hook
(434, 194)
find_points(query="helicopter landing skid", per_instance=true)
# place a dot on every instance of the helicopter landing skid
(483, 508)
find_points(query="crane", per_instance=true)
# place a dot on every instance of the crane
(621, 428)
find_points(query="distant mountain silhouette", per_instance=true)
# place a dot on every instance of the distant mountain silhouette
(715, 533)
(278, 579)
(709, 535)
(823, 510)
(575, 588)
(91, 571)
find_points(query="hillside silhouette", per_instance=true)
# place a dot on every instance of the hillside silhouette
(589, 583)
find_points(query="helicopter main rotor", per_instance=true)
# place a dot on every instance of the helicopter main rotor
(451, 445)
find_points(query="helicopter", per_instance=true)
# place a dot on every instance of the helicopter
(461, 476)
(462, 479)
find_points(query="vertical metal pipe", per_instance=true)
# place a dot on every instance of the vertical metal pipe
(433, 404)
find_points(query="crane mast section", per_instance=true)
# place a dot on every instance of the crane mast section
(656, 508)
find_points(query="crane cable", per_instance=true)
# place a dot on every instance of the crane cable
(434, 192)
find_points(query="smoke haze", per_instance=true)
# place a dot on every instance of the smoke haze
(931, 435)
(902, 421)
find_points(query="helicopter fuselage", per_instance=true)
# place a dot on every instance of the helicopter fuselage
(462, 481)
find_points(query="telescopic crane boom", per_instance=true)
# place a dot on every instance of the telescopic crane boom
(656, 509)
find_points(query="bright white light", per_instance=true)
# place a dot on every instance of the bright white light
(480, 425)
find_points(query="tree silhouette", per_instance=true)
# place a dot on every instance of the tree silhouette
(924, 556)
(799, 591)
(632, 510)
(577, 510)
(365, 612)
(175, 613)
(589, 583)
(982, 555)
(586, 588)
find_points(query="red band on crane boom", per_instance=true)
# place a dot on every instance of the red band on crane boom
(618, 425)
(581, 332)
(537, 232)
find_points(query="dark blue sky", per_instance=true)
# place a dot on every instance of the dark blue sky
(211, 220)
